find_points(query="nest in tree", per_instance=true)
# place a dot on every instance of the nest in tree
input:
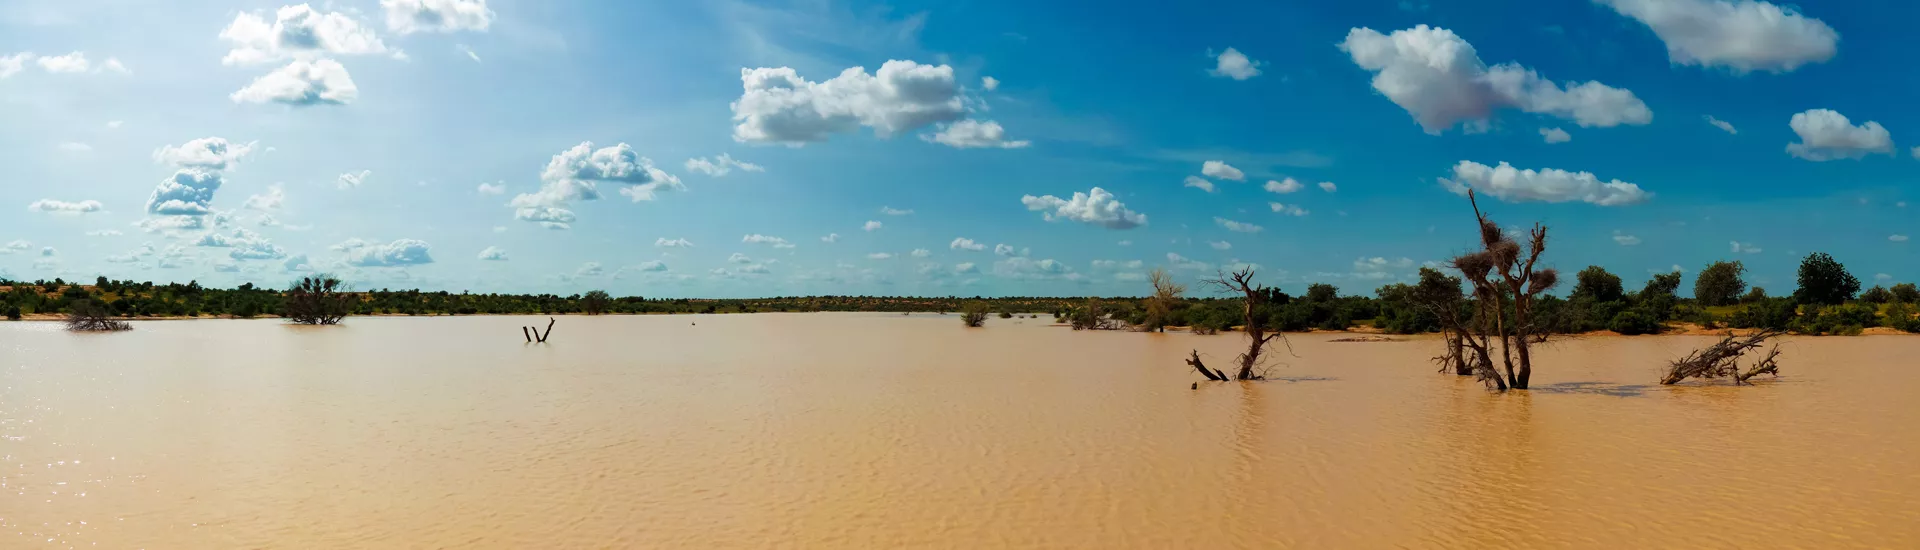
(1721, 360)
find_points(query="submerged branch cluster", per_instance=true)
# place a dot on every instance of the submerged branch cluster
(1722, 360)
(87, 316)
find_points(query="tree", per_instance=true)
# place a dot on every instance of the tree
(1657, 299)
(13, 312)
(1756, 294)
(1500, 272)
(1906, 293)
(1322, 293)
(318, 300)
(974, 314)
(87, 316)
(1440, 295)
(1876, 295)
(1251, 365)
(1596, 284)
(595, 302)
(1720, 283)
(1165, 294)
(1824, 281)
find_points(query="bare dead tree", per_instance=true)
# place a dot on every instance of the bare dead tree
(1722, 360)
(1501, 272)
(537, 337)
(1160, 306)
(87, 316)
(318, 300)
(1251, 365)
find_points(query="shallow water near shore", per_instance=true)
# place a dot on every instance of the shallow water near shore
(884, 431)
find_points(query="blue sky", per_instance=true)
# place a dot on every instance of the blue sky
(521, 146)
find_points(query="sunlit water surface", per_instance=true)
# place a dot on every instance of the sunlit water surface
(882, 431)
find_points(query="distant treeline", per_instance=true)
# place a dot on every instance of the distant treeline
(1828, 301)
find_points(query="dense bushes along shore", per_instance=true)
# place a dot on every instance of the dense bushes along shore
(1828, 301)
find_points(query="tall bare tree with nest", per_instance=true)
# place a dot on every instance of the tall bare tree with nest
(1251, 365)
(1503, 274)
(318, 300)
(1165, 294)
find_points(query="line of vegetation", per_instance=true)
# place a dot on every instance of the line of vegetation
(1828, 301)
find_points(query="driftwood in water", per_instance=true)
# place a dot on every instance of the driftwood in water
(1721, 359)
(536, 336)
(1211, 374)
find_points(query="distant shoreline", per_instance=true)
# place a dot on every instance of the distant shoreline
(1677, 329)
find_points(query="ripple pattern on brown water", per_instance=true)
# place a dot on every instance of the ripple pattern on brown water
(865, 431)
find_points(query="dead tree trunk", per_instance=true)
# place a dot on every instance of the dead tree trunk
(1211, 374)
(1721, 359)
(1258, 339)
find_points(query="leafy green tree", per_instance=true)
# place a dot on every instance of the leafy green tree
(1664, 284)
(13, 312)
(1754, 294)
(1321, 292)
(1824, 281)
(1906, 293)
(1596, 284)
(1720, 283)
(595, 302)
(1876, 295)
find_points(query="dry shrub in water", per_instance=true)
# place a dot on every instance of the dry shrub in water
(1721, 360)
(87, 316)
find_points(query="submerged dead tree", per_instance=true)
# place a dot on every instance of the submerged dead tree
(1251, 365)
(536, 337)
(1440, 295)
(87, 316)
(1504, 286)
(1722, 360)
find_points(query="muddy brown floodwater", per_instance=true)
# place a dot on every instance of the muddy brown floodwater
(883, 431)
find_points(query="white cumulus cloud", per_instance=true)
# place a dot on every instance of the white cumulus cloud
(302, 83)
(1285, 186)
(972, 134)
(1287, 209)
(720, 165)
(493, 188)
(872, 226)
(664, 242)
(778, 106)
(399, 253)
(1828, 135)
(1329, 187)
(775, 242)
(1555, 135)
(494, 253)
(297, 32)
(1744, 248)
(575, 175)
(1235, 65)
(1097, 207)
(1624, 239)
(1440, 80)
(63, 207)
(1550, 185)
(411, 16)
(963, 243)
(1198, 182)
(1740, 35)
(1221, 170)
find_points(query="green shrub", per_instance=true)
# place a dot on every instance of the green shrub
(1765, 313)
(1634, 322)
